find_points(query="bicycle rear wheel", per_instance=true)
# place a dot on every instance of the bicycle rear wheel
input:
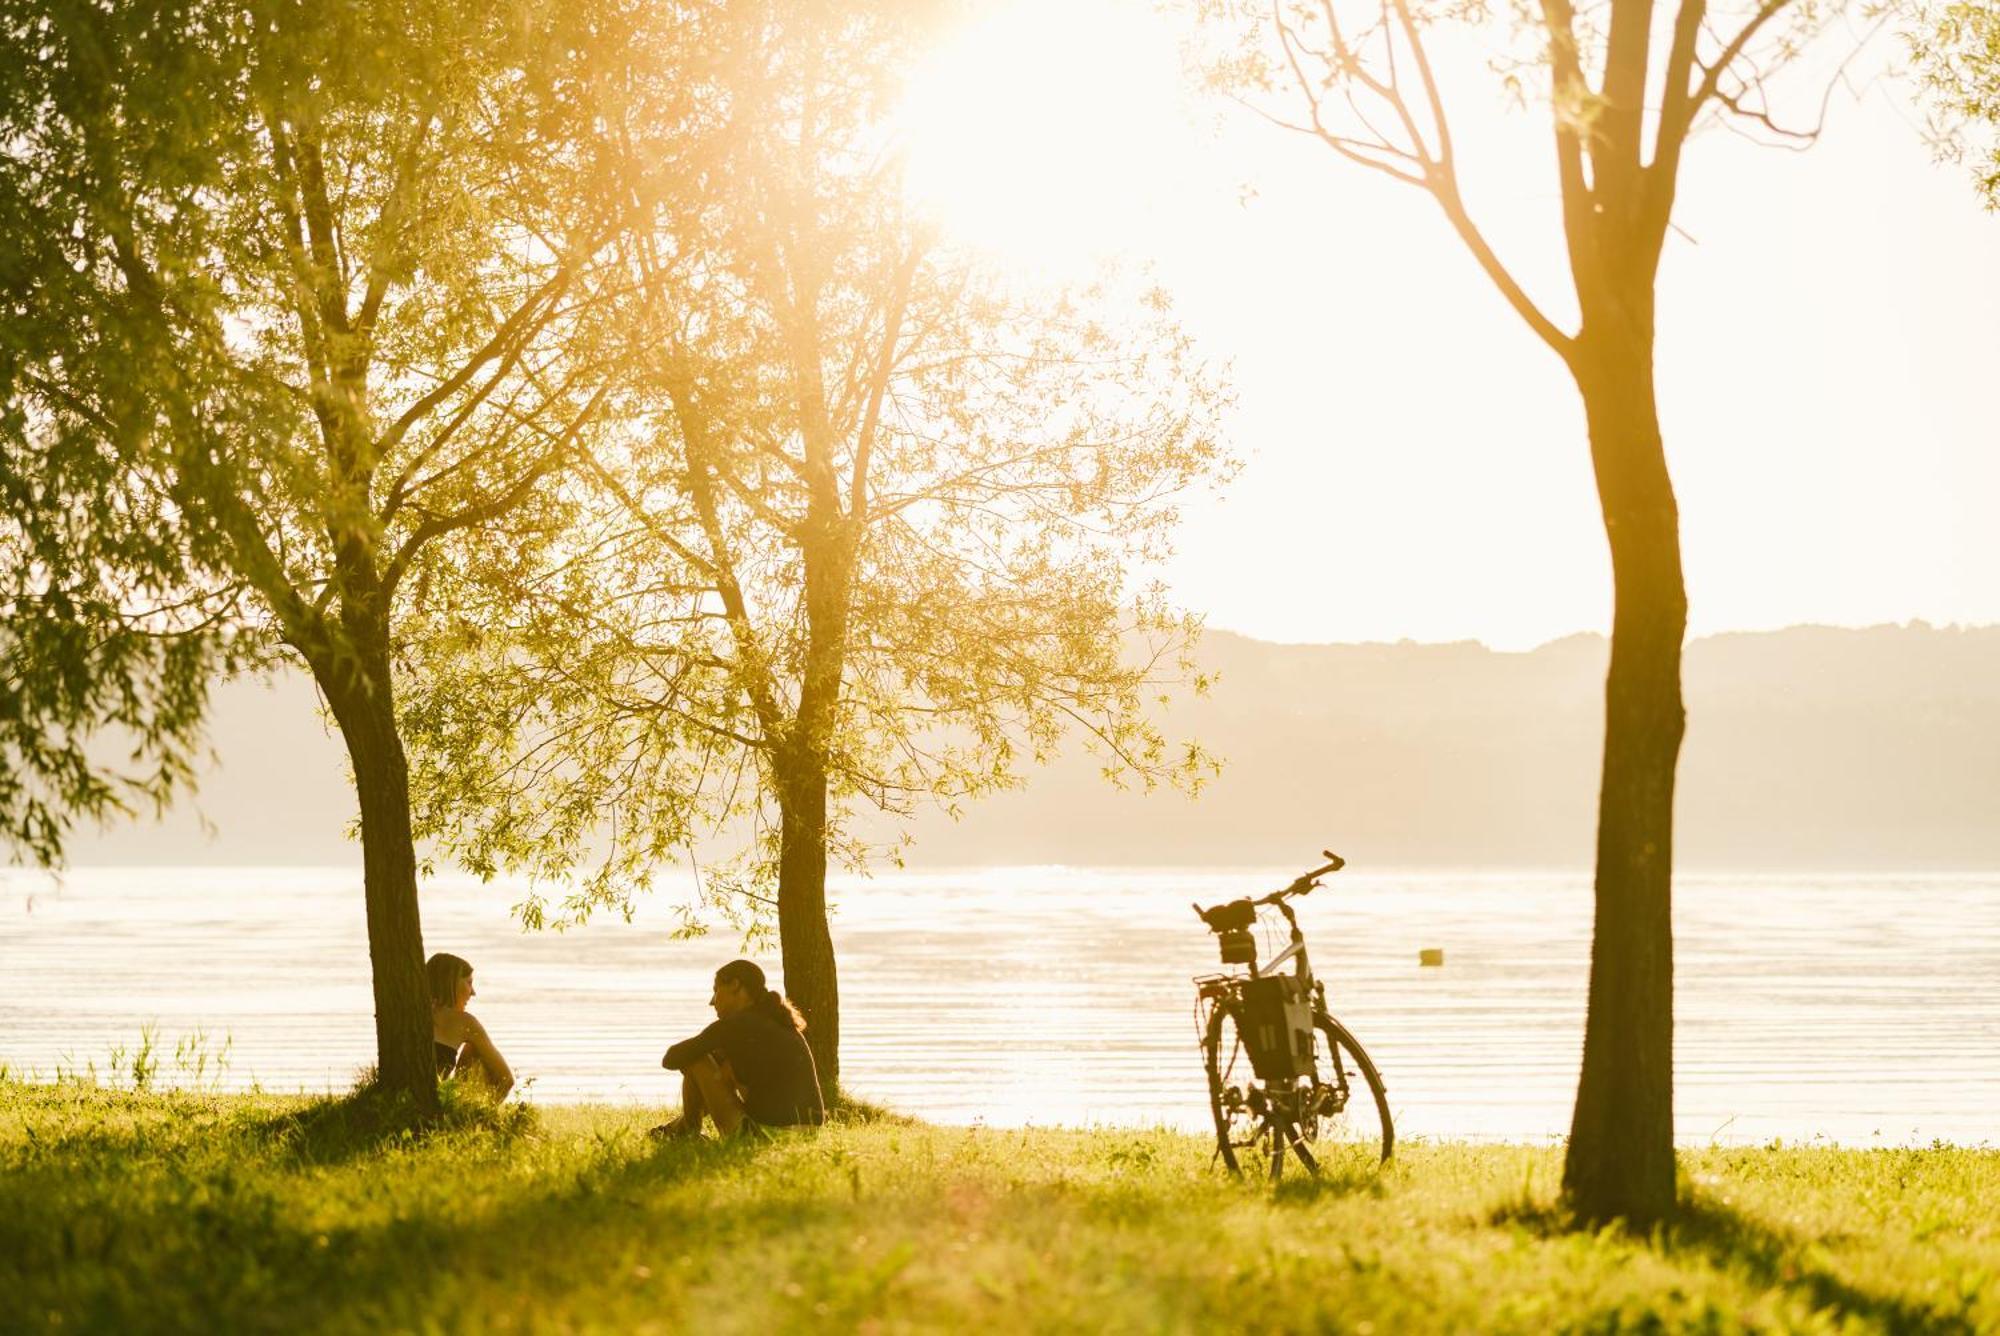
(1344, 1121)
(1245, 1133)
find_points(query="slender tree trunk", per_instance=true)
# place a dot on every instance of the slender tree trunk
(827, 546)
(804, 935)
(1620, 1162)
(364, 707)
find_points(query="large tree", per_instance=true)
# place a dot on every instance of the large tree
(1626, 83)
(294, 294)
(864, 539)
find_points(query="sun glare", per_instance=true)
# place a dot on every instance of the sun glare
(1043, 130)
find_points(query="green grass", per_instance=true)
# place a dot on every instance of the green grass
(126, 1211)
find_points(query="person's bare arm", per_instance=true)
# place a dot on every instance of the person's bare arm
(479, 1046)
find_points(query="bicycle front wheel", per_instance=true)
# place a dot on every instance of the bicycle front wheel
(1345, 1119)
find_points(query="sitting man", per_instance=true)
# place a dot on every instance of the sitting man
(752, 1067)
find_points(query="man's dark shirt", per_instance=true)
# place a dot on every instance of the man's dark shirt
(770, 1059)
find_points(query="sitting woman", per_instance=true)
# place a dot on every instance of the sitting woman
(456, 1035)
(752, 1067)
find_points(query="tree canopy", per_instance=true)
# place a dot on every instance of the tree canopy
(1956, 51)
(272, 279)
(861, 533)
(297, 292)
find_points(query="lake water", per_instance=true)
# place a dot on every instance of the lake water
(1864, 1010)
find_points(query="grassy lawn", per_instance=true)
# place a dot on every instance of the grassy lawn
(123, 1211)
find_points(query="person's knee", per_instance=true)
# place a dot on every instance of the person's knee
(712, 1078)
(718, 1093)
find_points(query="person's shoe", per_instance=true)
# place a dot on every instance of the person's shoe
(679, 1127)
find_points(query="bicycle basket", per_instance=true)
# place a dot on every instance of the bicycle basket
(1239, 947)
(1277, 1026)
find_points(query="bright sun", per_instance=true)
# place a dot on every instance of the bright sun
(1043, 130)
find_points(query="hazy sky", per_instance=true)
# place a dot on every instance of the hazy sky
(1416, 464)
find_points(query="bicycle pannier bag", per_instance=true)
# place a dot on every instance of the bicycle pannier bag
(1277, 1026)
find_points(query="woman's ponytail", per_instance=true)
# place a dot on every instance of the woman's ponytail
(781, 1008)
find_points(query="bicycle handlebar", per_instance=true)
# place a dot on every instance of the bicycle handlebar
(1307, 880)
(1301, 884)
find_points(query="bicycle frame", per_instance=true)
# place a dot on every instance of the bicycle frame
(1227, 990)
(1294, 950)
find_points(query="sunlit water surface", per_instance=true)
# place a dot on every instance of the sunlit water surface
(1865, 1010)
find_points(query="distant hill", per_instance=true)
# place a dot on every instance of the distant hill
(1812, 748)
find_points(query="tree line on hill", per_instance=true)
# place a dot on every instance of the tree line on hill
(1813, 749)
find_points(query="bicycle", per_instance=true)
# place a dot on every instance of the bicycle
(1281, 1023)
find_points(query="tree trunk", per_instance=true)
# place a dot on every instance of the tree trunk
(804, 935)
(827, 546)
(364, 707)
(1620, 1162)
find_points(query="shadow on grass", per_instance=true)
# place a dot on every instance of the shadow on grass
(1331, 1183)
(1727, 1237)
(340, 1128)
(595, 1236)
(1730, 1240)
(218, 1246)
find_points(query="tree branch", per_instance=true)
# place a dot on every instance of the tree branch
(514, 328)
(878, 385)
(380, 272)
(1438, 175)
(436, 526)
(1570, 102)
(1712, 73)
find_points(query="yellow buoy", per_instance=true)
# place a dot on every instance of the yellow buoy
(1431, 955)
